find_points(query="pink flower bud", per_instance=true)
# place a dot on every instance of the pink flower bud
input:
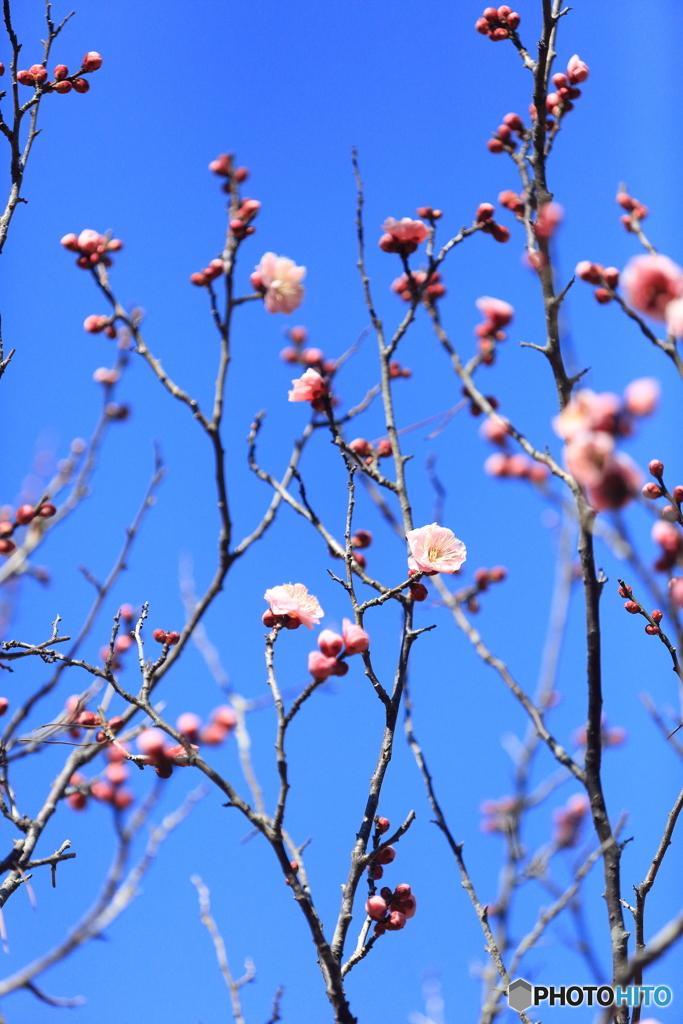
(651, 491)
(498, 34)
(199, 279)
(151, 742)
(222, 165)
(70, 242)
(122, 799)
(212, 735)
(76, 801)
(189, 725)
(590, 272)
(94, 324)
(376, 908)
(611, 276)
(225, 716)
(62, 87)
(89, 241)
(92, 61)
(7, 547)
(641, 396)
(396, 921)
(117, 772)
(80, 85)
(330, 643)
(496, 465)
(159, 635)
(105, 375)
(577, 70)
(676, 590)
(632, 607)
(485, 211)
(4, 704)
(356, 639)
(495, 146)
(102, 791)
(602, 295)
(678, 493)
(656, 468)
(312, 356)
(39, 73)
(25, 78)
(60, 72)
(384, 449)
(514, 121)
(513, 20)
(24, 515)
(320, 666)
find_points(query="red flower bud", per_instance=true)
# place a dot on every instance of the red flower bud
(80, 85)
(484, 212)
(657, 615)
(513, 20)
(7, 547)
(632, 607)
(651, 491)
(160, 636)
(418, 592)
(383, 825)
(678, 493)
(92, 61)
(386, 856)
(376, 908)
(60, 72)
(268, 619)
(396, 921)
(602, 295)
(495, 146)
(652, 630)
(4, 704)
(24, 515)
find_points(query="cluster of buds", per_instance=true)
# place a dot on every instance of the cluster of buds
(152, 745)
(517, 467)
(568, 821)
(78, 718)
(391, 908)
(416, 285)
(240, 224)
(96, 323)
(665, 531)
(396, 370)
(37, 75)
(497, 23)
(92, 248)
(204, 277)
(23, 516)
(223, 167)
(167, 639)
(610, 735)
(512, 200)
(360, 539)
(369, 453)
(635, 608)
(671, 512)
(497, 314)
(594, 273)
(484, 217)
(328, 660)
(403, 236)
(636, 211)
(482, 579)
(376, 869)
(499, 815)
(303, 355)
(561, 102)
(475, 410)
(222, 721)
(108, 788)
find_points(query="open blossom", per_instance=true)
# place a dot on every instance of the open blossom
(651, 283)
(356, 640)
(402, 236)
(641, 396)
(308, 387)
(293, 599)
(497, 312)
(280, 279)
(435, 549)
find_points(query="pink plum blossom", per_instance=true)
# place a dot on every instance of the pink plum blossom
(320, 666)
(280, 279)
(497, 312)
(293, 599)
(674, 318)
(356, 640)
(588, 411)
(620, 482)
(308, 387)
(548, 220)
(651, 283)
(402, 236)
(587, 455)
(667, 535)
(641, 396)
(435, 549)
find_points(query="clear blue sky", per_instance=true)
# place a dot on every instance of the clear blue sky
(291, 88)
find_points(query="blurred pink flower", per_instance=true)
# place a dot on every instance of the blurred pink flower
(676, 590)
(308, 387)
(651, 283)
(641, 396)
(620, 482)
(674, 318)
(569, 819)
(587, 455)
(356, 640)
(496, 311)
(402, 236)
(588, 411)
(293, 599)
(435, 549)
(281, 279)
(320, 666)
(667, 535)
(548, 219)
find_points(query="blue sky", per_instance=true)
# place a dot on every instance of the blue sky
(291, 88)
